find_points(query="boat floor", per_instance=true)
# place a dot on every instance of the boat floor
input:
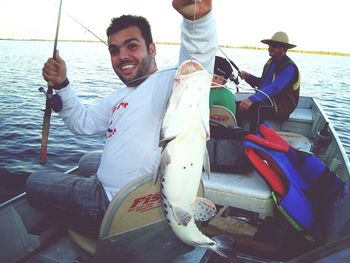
(61, 250)
(165, 247)
(64, 251)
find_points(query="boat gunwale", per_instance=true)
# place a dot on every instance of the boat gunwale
(23, 195)
(335, 136)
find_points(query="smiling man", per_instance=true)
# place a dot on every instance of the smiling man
(132, 49)
(131, 116)
(278, 87)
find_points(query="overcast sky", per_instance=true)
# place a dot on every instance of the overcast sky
(310, 24)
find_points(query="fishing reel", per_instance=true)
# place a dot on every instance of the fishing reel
(55, 101)
(234, 79)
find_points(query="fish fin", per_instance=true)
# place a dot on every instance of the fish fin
(224, 246)
(203, 209)
(206, 162)
(181, 216)
(164, 161)
(164, 141)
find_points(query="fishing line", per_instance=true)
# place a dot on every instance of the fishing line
(75, 20)
(216, 85)
(150, 74)
(174, 68)
(256, 90)
(267, 96)
(86, 28)
(194, 28)
(251, 87)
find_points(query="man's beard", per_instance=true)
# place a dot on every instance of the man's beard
(146, 68)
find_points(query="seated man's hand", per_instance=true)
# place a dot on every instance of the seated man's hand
(245, 104)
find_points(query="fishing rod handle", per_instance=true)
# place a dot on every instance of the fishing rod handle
(46, 126)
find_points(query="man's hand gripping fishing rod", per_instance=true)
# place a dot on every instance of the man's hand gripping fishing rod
(48, 109)
(242, 74)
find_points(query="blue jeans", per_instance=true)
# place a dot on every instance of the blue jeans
(76, 201)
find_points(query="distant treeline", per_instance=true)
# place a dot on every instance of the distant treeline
(261, 48)
(332, 53)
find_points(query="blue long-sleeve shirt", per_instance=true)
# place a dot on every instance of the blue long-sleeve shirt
(271, 87)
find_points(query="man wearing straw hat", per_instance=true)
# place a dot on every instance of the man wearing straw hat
(278, 88)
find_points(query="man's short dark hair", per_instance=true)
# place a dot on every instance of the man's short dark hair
(119, 23)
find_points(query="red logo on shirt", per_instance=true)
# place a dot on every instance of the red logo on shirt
(121, 104)
(111, 132)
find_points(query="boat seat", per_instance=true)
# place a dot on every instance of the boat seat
(245, 191)
(89, 163)
(222, 115)
(86, 244)
(300, 121)
(301, 115)
(135, 211)
(296, 140)
(134, 206)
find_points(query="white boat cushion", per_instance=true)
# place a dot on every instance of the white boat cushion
(245, 191)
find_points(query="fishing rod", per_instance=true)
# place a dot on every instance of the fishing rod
(235, 79)
(232, 77)
(48, 109)
(231, 62)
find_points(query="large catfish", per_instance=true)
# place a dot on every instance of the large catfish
(185, 130)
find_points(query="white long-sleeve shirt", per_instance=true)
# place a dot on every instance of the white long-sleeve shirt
(132, 116)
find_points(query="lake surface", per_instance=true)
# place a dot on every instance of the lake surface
(326, 78)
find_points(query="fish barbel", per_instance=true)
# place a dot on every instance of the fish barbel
(185, 130)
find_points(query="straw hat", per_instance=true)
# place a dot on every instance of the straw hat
(280, 38)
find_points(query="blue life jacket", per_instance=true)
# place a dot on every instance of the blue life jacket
(302, 186)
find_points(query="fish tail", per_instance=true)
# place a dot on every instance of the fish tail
(224, 246)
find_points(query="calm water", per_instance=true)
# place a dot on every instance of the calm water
(325, 77)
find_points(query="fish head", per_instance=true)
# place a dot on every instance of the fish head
(188, 101)
(187, 67)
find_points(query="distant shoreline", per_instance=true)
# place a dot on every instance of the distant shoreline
(318, 52)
